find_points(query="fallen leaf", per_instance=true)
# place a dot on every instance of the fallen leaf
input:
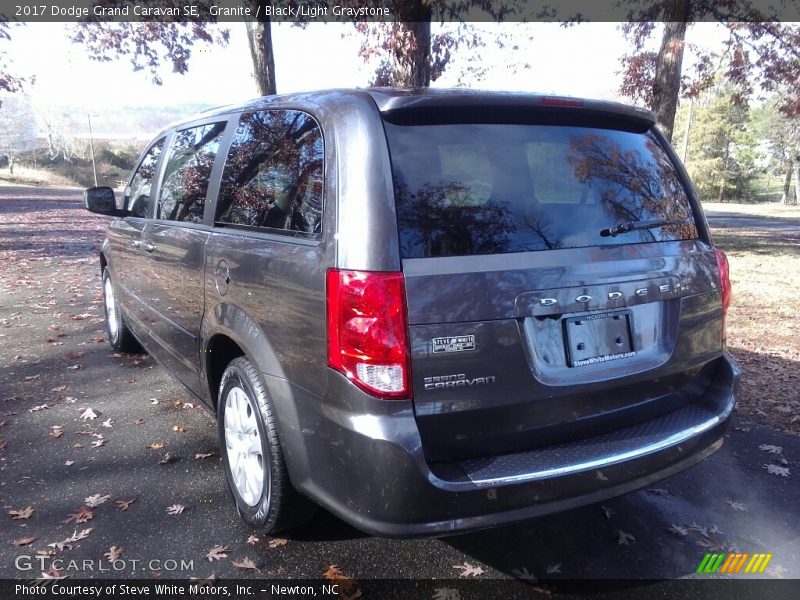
(776, 571)
(95, 500)
(245, 563)
(138, 421)
(52, 573)
(75, 537)
(123, 505)
(156, 445)
(699, 528)
(82, 515)
(178, 428)
(201, 456)
(176, 403)
(332, 572)
(98, 442)
(554, 569)
(31, 377)
(469, 570)
(677, 530)
(253, 540)
(78, 445)
(608, 511)
(3, 443)
(60, 388)
(777, 470)
(175, 509)
(57, 431)
(658, 492)
(108, 422)
(217, 553)
(446, 594)
(166, 459)
(39, 407)
(113, 553)
(736, 505)
(277, 542)
(75, 367)
(153, 400)
(89, 414)
(69, 463)
(24, 513)
(770, 448)
(24, 541)
(73, 355)
(624, 538)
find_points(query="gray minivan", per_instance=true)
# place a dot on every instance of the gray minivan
(427, 311)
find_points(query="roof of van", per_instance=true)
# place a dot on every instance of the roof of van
(411, 102)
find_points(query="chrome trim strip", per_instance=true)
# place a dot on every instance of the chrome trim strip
(598, 463)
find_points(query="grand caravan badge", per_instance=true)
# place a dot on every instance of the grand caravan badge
(456, 343)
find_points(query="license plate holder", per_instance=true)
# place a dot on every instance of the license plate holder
(597, 338)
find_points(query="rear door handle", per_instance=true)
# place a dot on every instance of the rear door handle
(149, 246)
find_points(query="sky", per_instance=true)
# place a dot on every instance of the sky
(577, 61)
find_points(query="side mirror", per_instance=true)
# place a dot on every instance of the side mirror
(101, 200)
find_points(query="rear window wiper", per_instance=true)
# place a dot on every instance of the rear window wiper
(636, 226)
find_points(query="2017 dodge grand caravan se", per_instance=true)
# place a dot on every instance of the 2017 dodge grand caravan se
(426, 311)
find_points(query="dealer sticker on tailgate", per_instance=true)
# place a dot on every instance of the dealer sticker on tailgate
(457, 343)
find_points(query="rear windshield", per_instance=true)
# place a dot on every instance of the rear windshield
(495, 188)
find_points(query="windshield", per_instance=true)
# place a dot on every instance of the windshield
(496, 188)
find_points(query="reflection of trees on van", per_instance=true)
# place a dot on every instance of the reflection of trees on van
(183, 193)
(544, 230)
(273, 175)
(445, 220)
(634, 183)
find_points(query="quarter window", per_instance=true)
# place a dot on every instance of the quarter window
(183, 192)
(273, 175)
(138, 198)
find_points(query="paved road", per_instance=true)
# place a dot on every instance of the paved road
(722, 216)
(54, 365)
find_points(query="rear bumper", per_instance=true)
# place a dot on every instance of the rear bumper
(362, 460)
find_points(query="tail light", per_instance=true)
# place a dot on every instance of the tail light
(724, 285)
(367, 333)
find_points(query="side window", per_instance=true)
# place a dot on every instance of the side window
(183, 192)
(138, 199)
(273, 174)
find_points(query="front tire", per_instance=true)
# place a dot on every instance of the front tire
(119, 336)
(252, 454)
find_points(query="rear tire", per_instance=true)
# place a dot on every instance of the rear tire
(119, 336)
(252, 454)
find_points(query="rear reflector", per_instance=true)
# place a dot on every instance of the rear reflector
(724, 285)
(367, 332)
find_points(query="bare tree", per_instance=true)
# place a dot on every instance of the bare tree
(17, 127)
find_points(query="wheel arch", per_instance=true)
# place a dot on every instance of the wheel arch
(227, 333)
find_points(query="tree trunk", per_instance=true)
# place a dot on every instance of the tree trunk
(797, 180)
(11, 164)
(787, 183)
(722, 183)
(667, 83)
(411, 57)
(259, 35)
